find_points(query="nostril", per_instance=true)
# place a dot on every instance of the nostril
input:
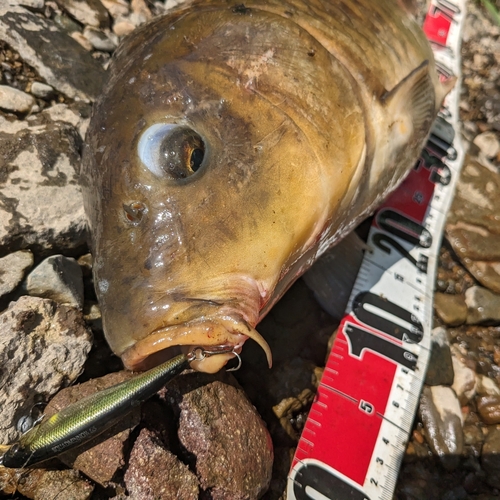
(134, 212)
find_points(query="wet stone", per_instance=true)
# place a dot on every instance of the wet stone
(490, 459)
(58, 278)
(42, 204)
(103, 456)
(489, 409)
(451, 309)
(232, 460)
(471, 229)
(12, 269)
(483, 306)
(440, 369)
(69, 69)
(464, 381)
(485, 386)
(43, 346)
(442, 418)
(15, 100)
(154, 473)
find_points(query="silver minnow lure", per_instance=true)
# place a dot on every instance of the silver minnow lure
(79, 422)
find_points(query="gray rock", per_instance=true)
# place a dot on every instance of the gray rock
(488, 143)
(69, 114)
(42, 346)
(58, 59)
(30, 4)
(485, 386)
(99, 39)
(490, 459)
(12, 269)
(451, 309)
(483, 306)
(154, 473)
(442, 418)
(15, 100)
(440, 370)
(471, 229)
(232, 461)
(42, 90)
(87, 12)
(41, 203)
(57, 278)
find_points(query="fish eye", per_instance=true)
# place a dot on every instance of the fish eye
(171, 150)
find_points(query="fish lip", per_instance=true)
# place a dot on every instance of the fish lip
(203, 332)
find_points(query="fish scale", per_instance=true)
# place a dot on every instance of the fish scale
(356, 434)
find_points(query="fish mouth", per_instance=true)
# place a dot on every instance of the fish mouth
(163, 343)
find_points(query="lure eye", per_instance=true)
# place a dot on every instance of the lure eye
(173, 150)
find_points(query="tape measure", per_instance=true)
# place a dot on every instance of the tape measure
(357, 430)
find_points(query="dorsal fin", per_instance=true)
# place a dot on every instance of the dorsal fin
(412, 102)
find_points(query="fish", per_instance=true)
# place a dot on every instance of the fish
(231, 146)
(80, 422)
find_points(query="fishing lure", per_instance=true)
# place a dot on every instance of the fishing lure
(79, 422)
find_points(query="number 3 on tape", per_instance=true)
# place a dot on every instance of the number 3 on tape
(356, 433)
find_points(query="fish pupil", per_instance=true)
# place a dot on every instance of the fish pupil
(196, 159)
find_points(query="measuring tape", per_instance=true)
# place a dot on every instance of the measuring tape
(357, 430)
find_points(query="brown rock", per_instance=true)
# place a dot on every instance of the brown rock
(154, 473)
(451, 309)
(226, 441)
(103, 456)
(489, 409)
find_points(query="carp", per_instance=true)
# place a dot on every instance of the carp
(232, 145)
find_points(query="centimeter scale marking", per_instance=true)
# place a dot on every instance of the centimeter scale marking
(357, 430)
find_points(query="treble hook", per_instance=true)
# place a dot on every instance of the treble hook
(200, 353)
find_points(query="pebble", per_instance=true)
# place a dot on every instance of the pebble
(123, 27)
(30, 4)
(440, 369)
(442, 418)
(451, 309)
(117, 8)
(490, 458)
(15, 100)
(42, 90)
(464, 381)
(43, 205)
(101, 458)
(82, 40)
(489, 408)
(488, 143)
(99, 39)
(12, 270)
(43, 345)
(154, 473)
(485, 386)
(483, 306)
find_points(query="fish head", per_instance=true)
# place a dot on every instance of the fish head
(201, 192)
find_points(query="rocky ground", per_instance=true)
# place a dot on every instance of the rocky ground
(189, 442)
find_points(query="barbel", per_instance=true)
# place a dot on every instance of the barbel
(79, 422)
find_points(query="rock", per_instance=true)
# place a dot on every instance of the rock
(485, 386)
(442, 418)
(225, 440)
(99, 39)
(78, 115)
(41, 484)
(30, 4)
(123, 27)
(12, 269)
(69, 69)
(103, 456)
(490, 459)
(117, 8)
(451, 309)
(473, 438)
(58, 278)
(488, 143)
(43, 346)
(141, 10)
(483, 306)
(15, 100)
(42, 90)
(489, 409)
(154, 473)
(84, 42)
(464, 382)
(471, 229)
(87, 12)
(440, 369)
(42, 205)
